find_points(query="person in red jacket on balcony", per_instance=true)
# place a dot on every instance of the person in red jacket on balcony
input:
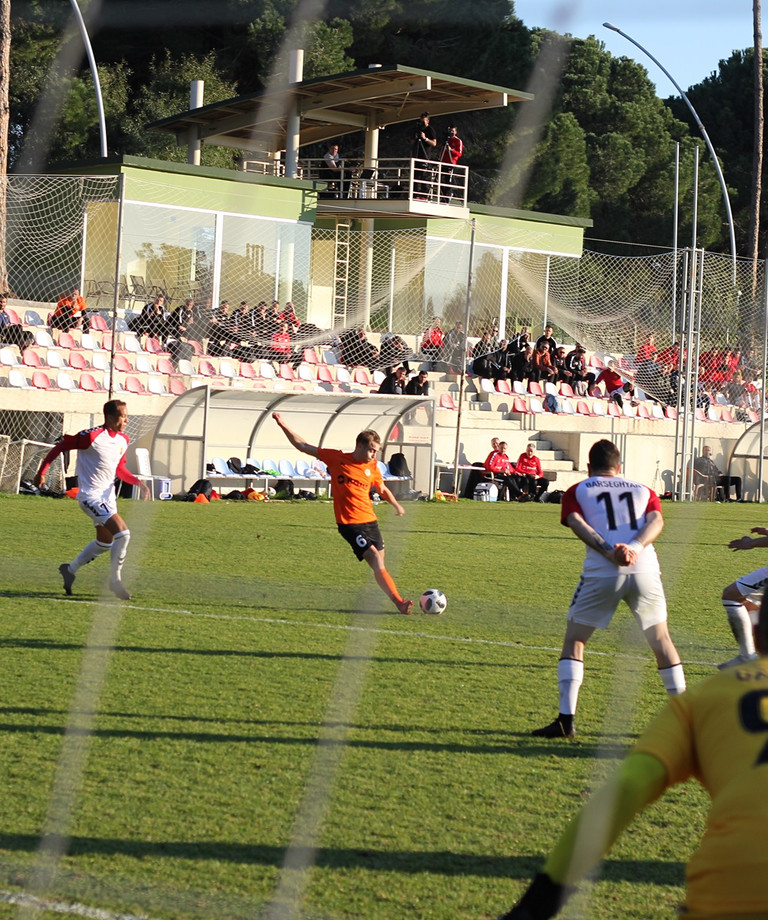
(528, 467)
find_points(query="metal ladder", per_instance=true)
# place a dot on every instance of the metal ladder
(341, 253)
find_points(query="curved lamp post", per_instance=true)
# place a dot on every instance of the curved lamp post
(702, 129)
(95, 74)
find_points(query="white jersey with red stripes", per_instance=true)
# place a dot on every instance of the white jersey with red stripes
(616, 508)
(100, 458)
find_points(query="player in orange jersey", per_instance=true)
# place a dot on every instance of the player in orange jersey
(352, 475)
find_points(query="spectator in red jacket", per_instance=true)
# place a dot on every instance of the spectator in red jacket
(503, 470)
(615, 386)
(528, 468)
(432, 343)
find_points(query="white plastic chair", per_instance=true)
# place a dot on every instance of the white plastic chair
(131, 343)
(269, 464)
(17, 378)
(100, 361)
(144, 472)
(518, 388)
(598, 407)
(550, 389)
(378, 377)
(535, 404)
(227, 369)
(43, 339)
(287, 469)
(55, 359)
(486, 385)
(89, 342)
(267, 371)
(144, 364)
(65, 382)
(156, 386)
(305, 372)
(187, 368)
(342, 374)
(8, 358)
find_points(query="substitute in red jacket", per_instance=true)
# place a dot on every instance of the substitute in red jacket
(528, 467)
(503, 469)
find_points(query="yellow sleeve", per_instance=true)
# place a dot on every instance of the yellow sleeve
(640, 780)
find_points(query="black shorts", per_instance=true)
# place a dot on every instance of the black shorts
(362, 536)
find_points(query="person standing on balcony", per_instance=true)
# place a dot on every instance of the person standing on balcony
(423, 144)
(453, 150)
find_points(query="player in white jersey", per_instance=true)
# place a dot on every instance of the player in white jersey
(618, 520)
(100, 458)
(741, 599)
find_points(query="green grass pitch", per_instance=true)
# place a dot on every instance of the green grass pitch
(257, 729)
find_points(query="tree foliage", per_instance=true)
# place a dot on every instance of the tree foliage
(606, 148)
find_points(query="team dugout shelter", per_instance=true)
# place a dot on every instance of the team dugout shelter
(205, 423)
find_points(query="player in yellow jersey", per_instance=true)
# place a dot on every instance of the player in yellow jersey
(352, 475)
(716, 732)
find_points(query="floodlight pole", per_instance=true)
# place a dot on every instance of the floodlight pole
(702, 130)
(95, 75)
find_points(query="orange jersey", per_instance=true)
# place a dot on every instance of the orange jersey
(351, 486)
(70, 305)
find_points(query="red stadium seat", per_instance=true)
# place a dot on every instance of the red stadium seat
(447, 402)
(134, 385)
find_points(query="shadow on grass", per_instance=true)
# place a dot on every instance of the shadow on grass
(47, 645)
(437, 862)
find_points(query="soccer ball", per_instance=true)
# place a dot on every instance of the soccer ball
(433, 601)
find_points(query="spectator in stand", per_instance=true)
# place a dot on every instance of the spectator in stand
(70, 312)
(394, 351)
(432, 343)
(290, 317)
(541, 364)
(575, 362)
(558, 362)
(454, 349)
(615, 386)
(12, 333)
(394, 383)
(528, 467)
(495, 342)
(453, 150)
(280, 344)
(503, 470)
(546, 336)
(735, 391)
(521, 340)
(219, 337)
(332, 172)
(356, 350)
(669, 358)
(481, 361)
(418, 385)
(521, 364)
(647, 351)
(181, 319)
(152, 320)
(649, 375)
(705, 470)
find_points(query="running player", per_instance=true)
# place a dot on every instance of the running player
(100, 458)
(618, 519)
(352, 475)
(741, 599)
(716, 732)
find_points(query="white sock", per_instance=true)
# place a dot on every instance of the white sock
(570, 674)
(741, 625)
(94, 549)
(673, 679)
(118, 553)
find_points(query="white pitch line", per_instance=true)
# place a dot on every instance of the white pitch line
(466, 640)
(20, 899)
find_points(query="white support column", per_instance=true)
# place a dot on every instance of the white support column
(194, 144)
(293, 122)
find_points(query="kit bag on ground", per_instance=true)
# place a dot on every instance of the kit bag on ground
(201, 487)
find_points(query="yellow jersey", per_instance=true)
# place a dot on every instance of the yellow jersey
(717, 732)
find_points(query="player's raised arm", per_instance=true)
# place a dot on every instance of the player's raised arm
(298, 442)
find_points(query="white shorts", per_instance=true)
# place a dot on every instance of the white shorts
(99, 510)
(752, 587)
(596, 598)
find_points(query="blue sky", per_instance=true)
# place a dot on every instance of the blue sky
(689, 37)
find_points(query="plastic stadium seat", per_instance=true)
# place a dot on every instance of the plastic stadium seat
(267, 371)
(520, 406)
(55, 359)
(566, 390)
(726, 414)
(753, 416)
(247, 370)
(306, 372)
(656, 411)
(8, 358)
(324, 374)
(131, 343)
(43, 339)
(176, 386)
(378, 378)
(582, 408)
(156, 386)
(134, 385)
(41, 381)
(285, 372)
(152, 345)
(77, 361)
(535, 405)
(566, 407)
(447, 402)
(65, 382)
(342, 374)
(187, 368)
(31, 358)
(329, 357)
(144, 364)
(670, 412)
(32, 318)
(535, 388)
(613, 409)
(503, 387)
(310, 356)
(362, 376)
(197, 346)
(227, 369)
(98, 322)
(550, 389)
(17, 378)
(67, 341)
(13, 315)
(89, 383)
(598, 408)
(486, 385)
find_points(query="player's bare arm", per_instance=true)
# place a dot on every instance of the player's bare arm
(387, 495)
(298, 442)
(590, 536)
